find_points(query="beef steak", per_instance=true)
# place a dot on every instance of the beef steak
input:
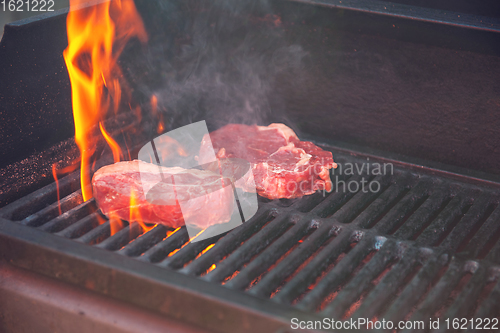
(282, 166)
(169, 196)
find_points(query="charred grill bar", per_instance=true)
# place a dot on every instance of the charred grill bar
(427, 244)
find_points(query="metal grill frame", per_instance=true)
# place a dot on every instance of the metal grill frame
(108, 267)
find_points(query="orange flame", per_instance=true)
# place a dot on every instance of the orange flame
(161, 126)
(55, 174)
(135, 214)
(154, 104)
(115, 148)
(115, 223)
(154, 111)
(96, 37)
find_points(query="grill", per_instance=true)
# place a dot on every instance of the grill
(425, 244)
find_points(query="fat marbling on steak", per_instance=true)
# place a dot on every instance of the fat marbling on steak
(282, 166)
(163, 195)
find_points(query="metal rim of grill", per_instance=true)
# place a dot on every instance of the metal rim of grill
(423, 246)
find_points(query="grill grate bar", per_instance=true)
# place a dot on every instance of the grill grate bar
(388, 286)
(467, 298)
(440, 292)
(318, 264)
(361, 201)
(307, 203)
(396, 216)
(97, 234)
(494, 253)
(228, 243)
(68, 218)
(415, 289)
(162, 249)
(81, 227)
(383, 204)
(145, 241)
(423, 214)
(334, 201)
(187, 253)
(362, 281)
(455, 209)
(469, 220)
(250, 248)
(339, 274)
(291, 262)
(485, 233)
(52, 211)
(272, 253)
(489, 307)
(122, 237)
(39, 199)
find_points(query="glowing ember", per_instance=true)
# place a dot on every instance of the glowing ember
(170, 233)
(96, 37)
(208, 248)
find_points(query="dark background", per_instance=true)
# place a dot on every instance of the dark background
(419, 89)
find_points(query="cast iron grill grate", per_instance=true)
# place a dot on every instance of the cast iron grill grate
(421, 246)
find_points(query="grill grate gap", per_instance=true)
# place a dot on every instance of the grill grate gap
(432, 218)
(453, 295)
(489, 210)
(453, 224)
(331, 297)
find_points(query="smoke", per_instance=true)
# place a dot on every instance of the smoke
(216, 61)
